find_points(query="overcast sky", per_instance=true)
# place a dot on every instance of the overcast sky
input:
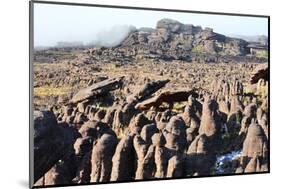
(53, 23)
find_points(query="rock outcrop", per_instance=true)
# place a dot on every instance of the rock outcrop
(51, 142)
(261, 72)
(104, 134)
(169, 97)
(101, 158)
(172, 40)
(95, 90)
(255, 154)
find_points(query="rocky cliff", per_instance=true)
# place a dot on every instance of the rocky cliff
(172, 40)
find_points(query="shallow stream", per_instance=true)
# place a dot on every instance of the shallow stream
(224, 159)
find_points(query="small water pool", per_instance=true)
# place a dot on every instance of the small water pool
(224, 159)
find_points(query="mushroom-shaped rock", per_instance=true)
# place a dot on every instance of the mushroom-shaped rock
(199, 145)
(175, 167)
(137, 123)
(95, 129)
(176, 126)
(101, 158)
(148, 131)
(83, 173)
(210, 121)
(200, 156)
(175, 134)
(255, 142)
(123, 161)
(161, 161)
(83, 145)
(109, 116)
(145, 159)
(255, 165)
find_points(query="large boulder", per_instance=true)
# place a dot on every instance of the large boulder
(97, 90)
(255, 142)
(211, 121)
(161, 156)
(255, 150)
(169, 97)
(260, 72)
(101, 158)
(200, 156)
(61, 173)
(145, 159)
(147, 132)
(123, 161)
(148, 89)
(51, 141)
(175, 134)
(175, 167)
(137, 123)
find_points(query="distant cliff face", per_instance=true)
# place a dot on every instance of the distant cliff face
(172, 40)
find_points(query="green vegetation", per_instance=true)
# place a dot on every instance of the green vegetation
(249, 89)
(57, 52)
(47, 56)
(262, 54)
(262, 91)
(50, 91)
(199, 49)
(178, 106)
(238, 118)
(121, 133)
(102, 106)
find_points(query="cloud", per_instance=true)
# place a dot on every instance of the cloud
(114, 36)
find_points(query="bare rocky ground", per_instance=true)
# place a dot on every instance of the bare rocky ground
(148, 118)
(62, 80)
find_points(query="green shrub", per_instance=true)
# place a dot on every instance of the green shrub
(262, 54)
(199, 49)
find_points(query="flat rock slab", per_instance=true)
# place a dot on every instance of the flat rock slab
(166, 96)
(149, 88)
(100, 88)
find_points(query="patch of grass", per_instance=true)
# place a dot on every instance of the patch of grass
(50, 91)
(103, 106)
(76, 52)
(262, 54)
(238, 119)
(121, 133)
(198, 49)
(262, 91)
(249, 89)
(178, 106)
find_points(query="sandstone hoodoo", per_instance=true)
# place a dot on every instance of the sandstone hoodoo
(173, 101)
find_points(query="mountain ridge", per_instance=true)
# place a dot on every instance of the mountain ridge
(172, 40)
